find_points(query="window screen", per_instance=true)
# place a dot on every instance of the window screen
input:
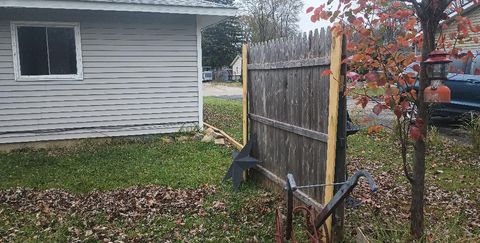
(47, 50)
(33, 51)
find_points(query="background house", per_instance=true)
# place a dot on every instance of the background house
(472, 12)
(96, 68)
(236, 66)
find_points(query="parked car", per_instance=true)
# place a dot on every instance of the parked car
(207, 76)
(464, 83)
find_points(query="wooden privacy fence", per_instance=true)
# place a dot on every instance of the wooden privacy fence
(292, 109)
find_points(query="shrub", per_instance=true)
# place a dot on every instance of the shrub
(473, 128)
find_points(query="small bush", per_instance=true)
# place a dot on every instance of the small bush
(433, 137)
(473, 128)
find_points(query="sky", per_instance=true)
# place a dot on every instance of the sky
(305, 23)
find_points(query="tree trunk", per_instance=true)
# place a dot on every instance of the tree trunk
(417, 225)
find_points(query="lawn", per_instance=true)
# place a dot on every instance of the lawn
(129, 189)
(453, 190)
(452, 181)
(116, 164)
(224, 114)
(143, 189)
(367, 91)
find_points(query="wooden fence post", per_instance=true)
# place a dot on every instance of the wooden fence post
(341, 152)
(245, 92)
(335, 80)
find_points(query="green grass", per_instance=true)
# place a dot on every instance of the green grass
(125, 162)
(122, 163)
(369, 91)
(224, 114)
(473, 128)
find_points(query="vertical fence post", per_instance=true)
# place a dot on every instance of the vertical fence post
(335, 79)
(341, 153)
(245, 92)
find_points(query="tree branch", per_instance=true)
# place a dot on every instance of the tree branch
(418, 6)
(403, 142)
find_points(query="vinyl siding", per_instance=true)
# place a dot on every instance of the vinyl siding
(140, 77)
(467, 44)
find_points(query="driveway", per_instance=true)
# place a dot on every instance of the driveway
(222, 91)
(446, 127)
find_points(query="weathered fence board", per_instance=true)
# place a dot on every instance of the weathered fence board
(288, 108)
(292, 112)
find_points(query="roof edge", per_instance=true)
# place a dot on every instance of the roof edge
(235, 59)
(119, 7)
(468, 8)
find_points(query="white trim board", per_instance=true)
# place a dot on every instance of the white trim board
(200, 73)
(125, 7)
(16, 57)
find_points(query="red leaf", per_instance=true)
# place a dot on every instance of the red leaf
(353, 76)
(371, 77)
(419, 122)
(416, 68)
(398, 111)
(363, 100)
(327, 72)
(377, 109)
(405, 105)
(415, 133)
(381, 81)
(413, 93)
(310, 9)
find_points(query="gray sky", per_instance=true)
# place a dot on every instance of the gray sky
(305, 23)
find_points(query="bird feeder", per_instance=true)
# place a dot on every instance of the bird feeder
(437, 66)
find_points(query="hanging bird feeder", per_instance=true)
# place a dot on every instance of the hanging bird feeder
(437, 66)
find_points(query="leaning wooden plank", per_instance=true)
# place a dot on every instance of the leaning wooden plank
(224, 134)
(277, 180)
(335, 79)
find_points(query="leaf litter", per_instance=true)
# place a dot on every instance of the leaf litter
(129, 205)
(391, 203)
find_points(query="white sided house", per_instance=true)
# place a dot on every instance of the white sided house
(236, 68)
(97, 68)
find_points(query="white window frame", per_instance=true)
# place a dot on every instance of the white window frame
(16, 56)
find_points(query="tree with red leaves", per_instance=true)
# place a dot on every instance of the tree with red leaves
(381, 36)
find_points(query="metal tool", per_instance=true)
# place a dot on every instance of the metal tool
(314, 221)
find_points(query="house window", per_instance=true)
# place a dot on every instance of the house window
(47, 51)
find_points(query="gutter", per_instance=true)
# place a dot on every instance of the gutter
(120, 7)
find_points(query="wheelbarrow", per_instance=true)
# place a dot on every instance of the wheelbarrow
(316, 228)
